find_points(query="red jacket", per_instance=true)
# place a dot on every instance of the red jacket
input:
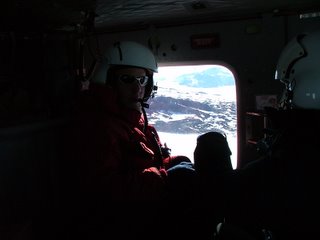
(115, 160)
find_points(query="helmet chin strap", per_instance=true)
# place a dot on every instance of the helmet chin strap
(143, 106)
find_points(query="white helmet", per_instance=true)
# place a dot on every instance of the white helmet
(127, 53)
(299, 69)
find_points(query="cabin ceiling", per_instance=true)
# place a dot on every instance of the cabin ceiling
(120, 15)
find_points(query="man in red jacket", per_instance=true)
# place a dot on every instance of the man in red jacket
(120, 178)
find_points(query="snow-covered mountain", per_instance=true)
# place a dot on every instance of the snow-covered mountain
(193, 110)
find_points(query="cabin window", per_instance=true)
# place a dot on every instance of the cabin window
(192, 100)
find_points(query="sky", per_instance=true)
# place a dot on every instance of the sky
(167, 75)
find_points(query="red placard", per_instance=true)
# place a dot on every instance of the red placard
(208, 40)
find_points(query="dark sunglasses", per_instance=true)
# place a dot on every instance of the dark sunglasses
(142, 80)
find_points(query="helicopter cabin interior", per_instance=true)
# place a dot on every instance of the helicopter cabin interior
(49, 48)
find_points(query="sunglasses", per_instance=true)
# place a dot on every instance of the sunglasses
(142, 80)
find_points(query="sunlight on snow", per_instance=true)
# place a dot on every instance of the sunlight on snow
(184, 144)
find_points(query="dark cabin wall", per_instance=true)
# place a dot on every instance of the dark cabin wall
(296, 25)
(36, 92)
(249, 48)
(36, 76)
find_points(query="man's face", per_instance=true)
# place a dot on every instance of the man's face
(130, 85)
